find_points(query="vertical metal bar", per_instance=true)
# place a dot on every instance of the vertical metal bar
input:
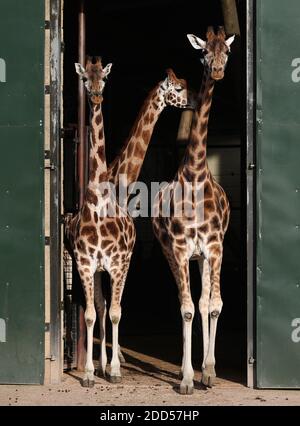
(81, 165)
(55, 187)
(251, 261)
(81, 105)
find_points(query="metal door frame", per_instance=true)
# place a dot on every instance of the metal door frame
(251, 199)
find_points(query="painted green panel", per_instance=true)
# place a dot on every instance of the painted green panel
(21, 191)
(278, 194)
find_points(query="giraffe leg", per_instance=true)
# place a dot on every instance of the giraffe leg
(117, 286)
(204, 305)
(215, 307)
(90, 318)
(100, 303)
(181, 275)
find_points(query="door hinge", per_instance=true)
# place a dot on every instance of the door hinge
(51, 357)
(50, 167)
(47, 89)
(251, 360)
(47, 326)
(62, 305)
(47, 24)
(251, 166)
(47, 241)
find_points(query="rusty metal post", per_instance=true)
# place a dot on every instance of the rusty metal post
(231, 20)
(81, 161)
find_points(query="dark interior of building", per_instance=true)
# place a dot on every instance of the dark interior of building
(142, 38)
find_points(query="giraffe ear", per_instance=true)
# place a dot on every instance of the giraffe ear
(229, 41)
(79, 69)
(196, 42)
(106, 70)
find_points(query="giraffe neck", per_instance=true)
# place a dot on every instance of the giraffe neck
(97, 160)
(194, 163)
(131, 157)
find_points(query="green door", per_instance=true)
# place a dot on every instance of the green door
(278, 194)
(21, 191)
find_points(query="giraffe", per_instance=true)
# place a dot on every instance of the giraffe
(171, 91)
(100, 242)
(197, 236)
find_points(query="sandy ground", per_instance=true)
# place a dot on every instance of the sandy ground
(146, 381)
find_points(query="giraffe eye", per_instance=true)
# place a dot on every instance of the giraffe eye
(84, 79)
(179, 89)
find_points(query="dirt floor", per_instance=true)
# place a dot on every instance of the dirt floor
(146, 381)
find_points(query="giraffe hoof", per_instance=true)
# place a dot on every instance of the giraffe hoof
(100, 373)
(115, 379)
(186, 389)
(87, 383)
(208, 377)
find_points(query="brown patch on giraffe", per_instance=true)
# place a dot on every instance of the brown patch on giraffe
(86, 214)
(191, 232)
(139, 151)
(103, 231)
(188, 174)
(98, 119)
(87, 230)
(81, 246)
(115, 258)
(101, 134)
(112, 228)
(208, 192)
(101, 153)
(91, 251)
(84, 261)
(215, 223)
(93, 168)
(202, 176)
(93, 238)
(91, 197)
(146, 119)
(122, 243)
(212, 238)
(203, 229)
(106, 243)
(151, 117)
(176, 227)
(102, 177)
(209, 206)
(95, 217)
(146, 135)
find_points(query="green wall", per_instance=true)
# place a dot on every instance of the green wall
(278, 193)
(21, 191)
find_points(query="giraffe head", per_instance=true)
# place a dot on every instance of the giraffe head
(93, 76)
(215, 51)
(175, 91)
